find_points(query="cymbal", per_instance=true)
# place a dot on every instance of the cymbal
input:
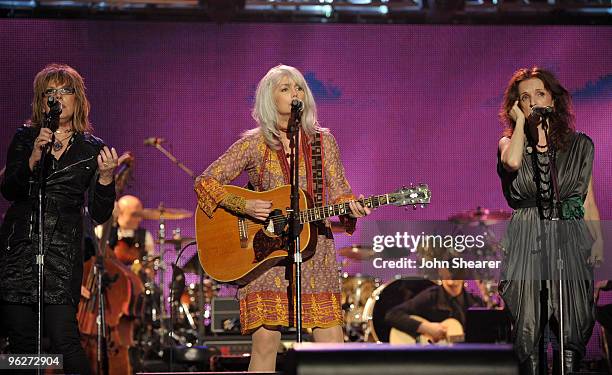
(357, 252)
(480, 215)
(167, 213)
(177, 241)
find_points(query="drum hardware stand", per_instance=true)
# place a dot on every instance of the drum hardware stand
(156, 142)
(162, 267)
(177, 273)
(295, 227)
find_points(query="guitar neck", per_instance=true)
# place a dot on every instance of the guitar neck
(320, 213)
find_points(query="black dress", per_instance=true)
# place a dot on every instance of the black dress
(533, 243)
(67, 182)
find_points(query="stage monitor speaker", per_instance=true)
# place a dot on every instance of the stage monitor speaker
(385, 359)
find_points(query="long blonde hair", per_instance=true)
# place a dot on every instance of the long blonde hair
(265, 112)
(67, 76)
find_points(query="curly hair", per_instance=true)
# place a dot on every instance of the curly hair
(67, 76)
(561, 120)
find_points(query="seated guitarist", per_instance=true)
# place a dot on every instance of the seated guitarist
(263, 153)
(435, 304)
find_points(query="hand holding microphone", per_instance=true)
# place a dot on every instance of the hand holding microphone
(55, 107)
(542, 111)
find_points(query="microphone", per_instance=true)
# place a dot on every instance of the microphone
(297, 105)
(542, 111)
(55, 107)
(153, 141)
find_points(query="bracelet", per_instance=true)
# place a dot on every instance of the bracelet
(235, 203)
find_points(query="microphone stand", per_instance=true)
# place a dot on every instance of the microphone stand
(157, 145)
(162, 236)
(295, 227)
(51, 121)
(102, 282)
(556, 216)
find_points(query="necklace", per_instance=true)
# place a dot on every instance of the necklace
(58, 144)
(63, 132)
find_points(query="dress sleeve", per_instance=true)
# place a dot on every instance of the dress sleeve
(15, 184)
(209, 185)
(338, 188)
(587, 149)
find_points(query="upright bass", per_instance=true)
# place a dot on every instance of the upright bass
(107, 345)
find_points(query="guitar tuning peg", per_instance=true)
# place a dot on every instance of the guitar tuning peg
(414, 206)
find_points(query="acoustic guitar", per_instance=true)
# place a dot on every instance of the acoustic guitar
(237, 248)
(454, 333)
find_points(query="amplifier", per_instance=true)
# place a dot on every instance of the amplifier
(225, 313)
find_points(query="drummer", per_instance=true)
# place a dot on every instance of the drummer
(135, 242)
(436, 304)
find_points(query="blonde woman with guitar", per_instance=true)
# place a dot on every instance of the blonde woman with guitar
(265, 297)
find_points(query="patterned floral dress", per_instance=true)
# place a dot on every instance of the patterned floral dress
(265, 300)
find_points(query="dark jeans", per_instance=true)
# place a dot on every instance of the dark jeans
(60, 326)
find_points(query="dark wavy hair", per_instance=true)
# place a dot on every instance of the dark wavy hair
(561, 120)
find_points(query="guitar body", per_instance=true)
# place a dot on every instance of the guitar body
(454, 333)
(237, 249)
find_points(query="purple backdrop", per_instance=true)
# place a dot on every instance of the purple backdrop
(406, 103)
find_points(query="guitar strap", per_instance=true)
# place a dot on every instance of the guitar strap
(318, 180)
(315, 177)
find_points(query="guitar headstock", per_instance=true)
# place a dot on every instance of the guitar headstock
(411, 195)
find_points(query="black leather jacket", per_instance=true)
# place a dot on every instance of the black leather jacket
(67, 180)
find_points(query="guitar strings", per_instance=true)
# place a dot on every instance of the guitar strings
(333, 208)
(280, 218)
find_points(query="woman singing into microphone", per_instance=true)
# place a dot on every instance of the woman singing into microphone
(266, 303)
(77, 163)
(546, 175)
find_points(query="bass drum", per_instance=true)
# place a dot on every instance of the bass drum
(384, 299)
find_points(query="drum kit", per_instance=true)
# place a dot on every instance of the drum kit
(366, 300)
(181, 311)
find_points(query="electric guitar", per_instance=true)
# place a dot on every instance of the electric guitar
(237, 248)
